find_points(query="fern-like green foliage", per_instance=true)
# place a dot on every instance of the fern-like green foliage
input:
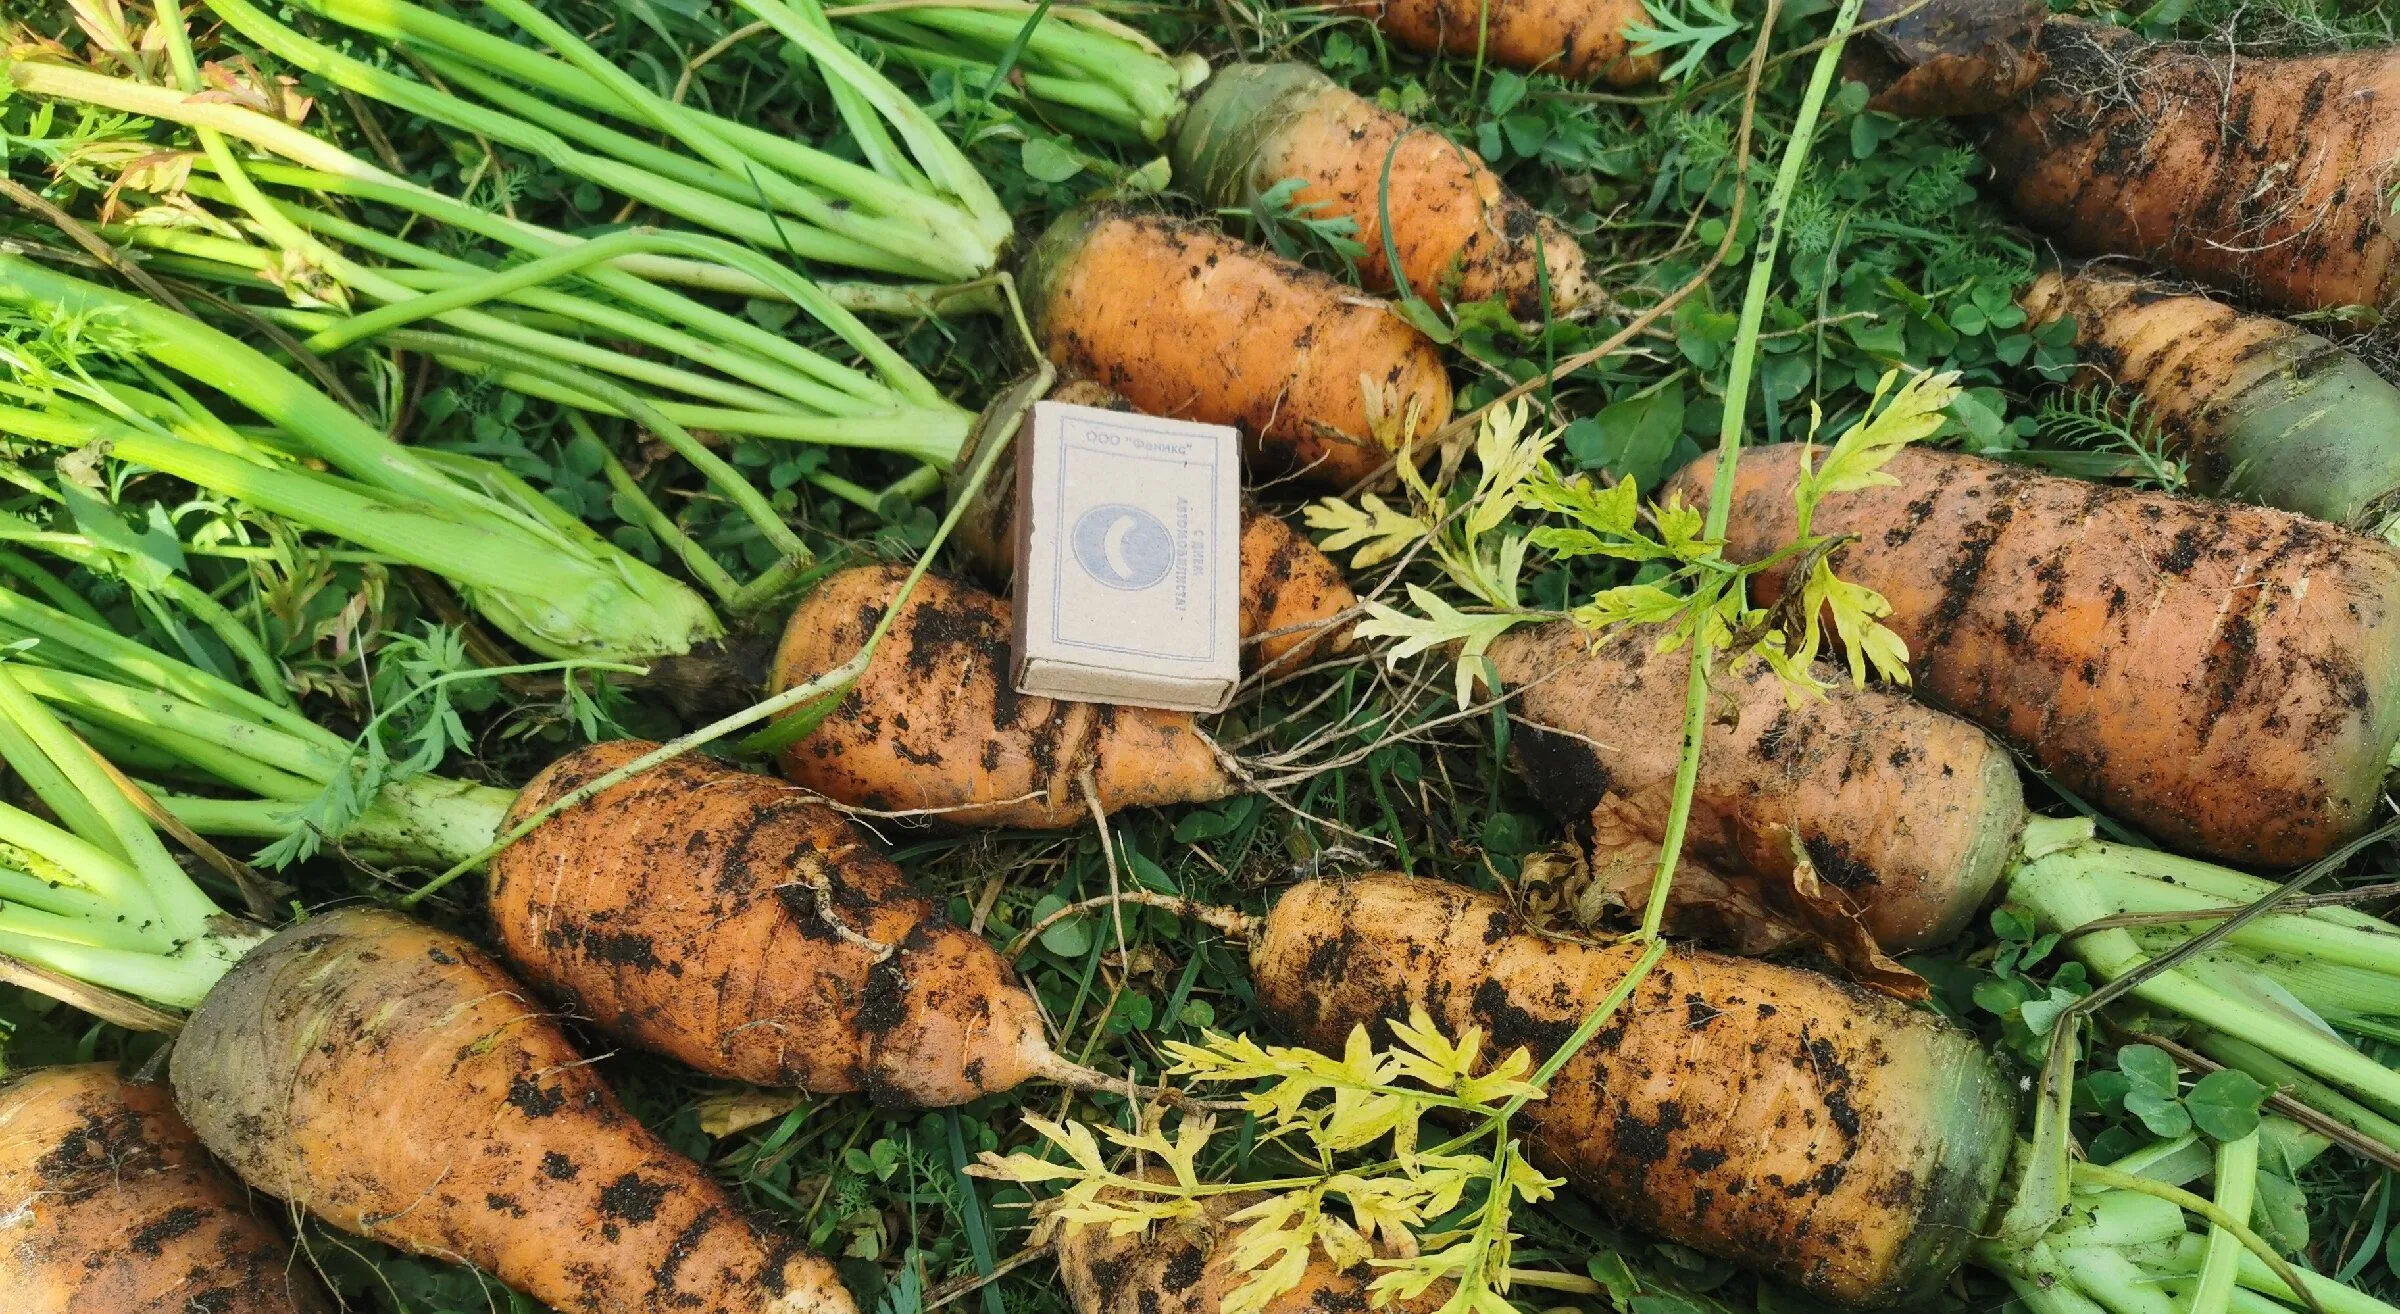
(1692, 29)
(2120, 423)
(1475, 535)
(1328, 1112)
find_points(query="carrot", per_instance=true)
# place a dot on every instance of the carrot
(936, 723)
(1762, 1114)
(2260, 410)
(1186, 1266)
(1293, 595)
(734, 923)
(1184, 321)
(2220, 675)
(2269, 177)
(1583, 39)
(1946, 57)
(109, 1206)
(391, 1079)
(1910, 814)
(1460, 235)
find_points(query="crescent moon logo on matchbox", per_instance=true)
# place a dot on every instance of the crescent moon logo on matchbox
(1122, 547)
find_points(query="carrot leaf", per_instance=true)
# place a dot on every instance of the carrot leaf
(1377, 529)
(1324, 1109)
(1857, 458)
(1439, 625)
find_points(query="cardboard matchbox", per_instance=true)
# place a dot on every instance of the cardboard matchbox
(1128, 574)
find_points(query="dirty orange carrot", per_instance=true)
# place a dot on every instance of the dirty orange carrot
(1460, 235)
(733, 922)
(1908, 814)
(391, 1079)
(111, 1207)
(1582, 39)
(2269, 177)
(2221, 676)
(936, 723)
(1186, 322)
(1763, 1114)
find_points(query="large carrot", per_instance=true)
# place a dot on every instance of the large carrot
(109, 1206)
(1763, 1114)
(1184, 321)
(393, 1080)
(1460, 235)
(1911, 815)
(2262, 411)
(2271, 177)
(747, 929)
(936, 722)
(1574, 38)
(2222, 676)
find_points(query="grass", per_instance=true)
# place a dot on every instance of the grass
(1891, 255)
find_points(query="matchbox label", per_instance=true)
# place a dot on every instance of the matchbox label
(1128, 559)
(1140, 516)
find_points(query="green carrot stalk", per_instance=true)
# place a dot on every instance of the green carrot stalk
(2265, 995)
(1057, 57)
(849, 214)
(95, 895)
(556, 587)
(281, 766)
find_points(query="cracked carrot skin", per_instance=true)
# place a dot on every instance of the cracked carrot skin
(1579, 39)
(2221, 676)
(1461, 236)
(1911, 812)
(936, 723)
(2262, 411)
(1785, 1121)
(1188, 323)
(108, 1205)
(392, 1080)
(2268, 177)
(734, 922)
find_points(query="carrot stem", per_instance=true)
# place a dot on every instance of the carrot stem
(1729, 439)
(2237, 1187)
(2238, 1227)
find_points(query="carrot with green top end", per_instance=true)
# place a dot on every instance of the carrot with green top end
(1910, 815)
(1762, 1114)
(1186, 322)
(108, 1205)
(1460, 235)
(2262, 411)
(391, 1079)
(2225, 677)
